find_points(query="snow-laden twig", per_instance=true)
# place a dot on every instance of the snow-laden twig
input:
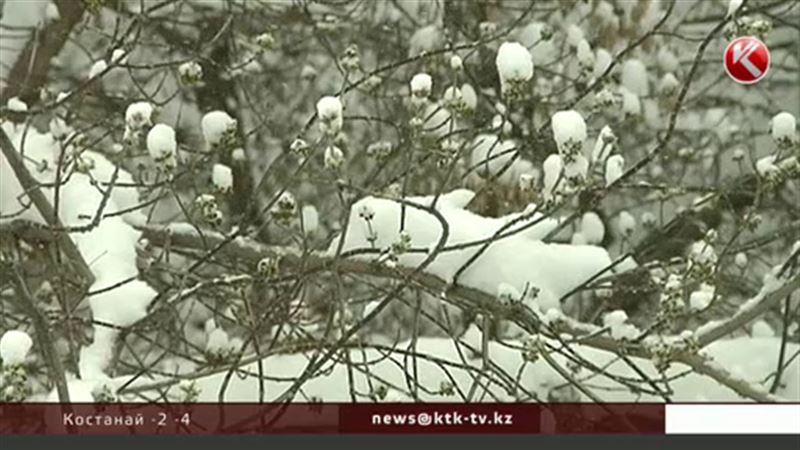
(768, 297)
(477, 300)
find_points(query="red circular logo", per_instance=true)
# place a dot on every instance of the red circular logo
(746, 60)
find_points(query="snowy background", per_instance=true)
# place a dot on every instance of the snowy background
(397, 201)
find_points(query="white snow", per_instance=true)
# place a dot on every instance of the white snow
(456, 63)
(592, 227)
(755, 357)
(118, 56)
(216, 125)
(469, 97)
(605, 12)
(603, 145)
(733, 7)
(190, 70)
(569, 129)
(508, 293)
(59, 128)
(209, 325)
(333, 157)
(634, 77)
(438, 120)
(97, 68)
(14, 347)
(222, 177)
(602, 60)
(161, 143)
(514, 64)
(329, 111)
(574, 35)
(310, 218)
(139, 115)
(369, 307)
(17, 105)
(701, 252)
(631, 105)
(578, 239)
(452, 96)
(219, 342)
(421, 85)
(626, 223)
(51, 12)
(702, 297)
(762, 329)
(577, 168)
(80, 391)
(616, 317)
(766, 166)
(615, 168)
(518, 259)
(585, 54)
(668, 84)
(238, 155)
(109, 248)
(616, 321)
(503, 126)
(784, 127)
(553, 167)
(740, 260)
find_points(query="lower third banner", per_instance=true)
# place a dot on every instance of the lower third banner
(372, 418)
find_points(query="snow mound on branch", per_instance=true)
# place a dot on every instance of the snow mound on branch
(161, 143)
(602, 60)
(14, 347)
(568, 127)
(329, 110)
(553, 168)
(585, 55)
(519, 260)
(614, 169)
(222, 177)
(592, 227)
(216, 125)
(310, 218)
(784, 126)
(98, 68)
(514, 63)
(421, 84)
(108, 248)
(139, 115)
(17, 105)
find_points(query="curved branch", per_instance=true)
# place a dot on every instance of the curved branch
(470, 298)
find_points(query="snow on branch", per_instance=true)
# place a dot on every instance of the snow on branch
(486, 302)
